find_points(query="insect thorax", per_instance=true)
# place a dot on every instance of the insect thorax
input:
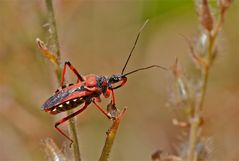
(102, 83)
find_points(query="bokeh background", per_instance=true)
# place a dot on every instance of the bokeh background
(96, 36)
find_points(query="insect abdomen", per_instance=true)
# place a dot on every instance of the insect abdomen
(68, 105)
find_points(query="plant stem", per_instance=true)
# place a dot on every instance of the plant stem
(111, 137)
(56, 49)
(53, 29)
(195, 128)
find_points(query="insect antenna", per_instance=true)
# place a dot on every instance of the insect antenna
(135, 42)
(145, 68)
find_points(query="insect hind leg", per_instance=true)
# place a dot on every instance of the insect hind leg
(67, 118)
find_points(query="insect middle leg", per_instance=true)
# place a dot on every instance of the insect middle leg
(79, 77)
(67, 118)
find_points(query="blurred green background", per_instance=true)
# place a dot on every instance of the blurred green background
(96, 36)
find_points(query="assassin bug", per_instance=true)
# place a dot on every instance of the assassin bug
(87, 90)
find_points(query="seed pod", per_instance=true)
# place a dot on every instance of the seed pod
(224, 5)
(205, 15)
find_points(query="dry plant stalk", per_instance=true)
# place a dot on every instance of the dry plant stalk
(55, 60)
(211, 31)
(111, 137)
(191, 97)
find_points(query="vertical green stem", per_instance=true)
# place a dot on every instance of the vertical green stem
(56, 48)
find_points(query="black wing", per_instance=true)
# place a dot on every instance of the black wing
(59, 96)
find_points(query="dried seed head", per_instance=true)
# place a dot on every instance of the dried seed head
(46, 52)
(196, 57)
(204, 149)
(202, 44)
(181, 124)
(160, 155)
(224, 5)
(205, 15)
(156, 156)
(179, 91)
(176, 69)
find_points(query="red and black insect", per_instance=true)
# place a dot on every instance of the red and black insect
(88, 89)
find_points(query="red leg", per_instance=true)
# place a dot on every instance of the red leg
(102, 110)
(113, 97)
(79, 77)
(67, 118)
